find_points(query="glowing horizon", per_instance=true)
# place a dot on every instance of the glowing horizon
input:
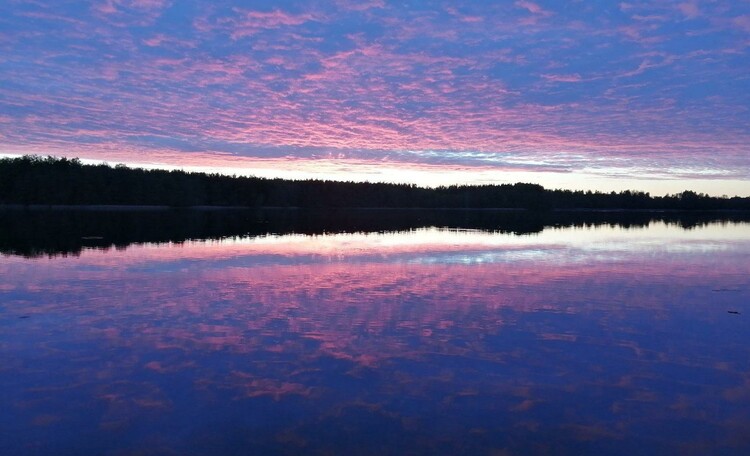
(652, 96)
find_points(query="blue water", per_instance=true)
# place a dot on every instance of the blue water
(574, 340)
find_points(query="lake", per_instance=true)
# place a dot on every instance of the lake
(374, 333)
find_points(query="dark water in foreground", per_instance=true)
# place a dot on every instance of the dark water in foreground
(622, 337)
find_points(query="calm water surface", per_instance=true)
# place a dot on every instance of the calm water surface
(578, 340)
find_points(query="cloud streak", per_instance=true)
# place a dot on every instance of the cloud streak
(635, 87)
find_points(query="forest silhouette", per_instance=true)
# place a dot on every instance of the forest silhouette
(50, 232)
(34, 180)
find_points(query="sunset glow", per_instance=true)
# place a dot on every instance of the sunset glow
(603, 96)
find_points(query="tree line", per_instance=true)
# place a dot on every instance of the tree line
(35, 233)
(34, 180)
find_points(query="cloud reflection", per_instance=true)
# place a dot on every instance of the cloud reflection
(602, 334)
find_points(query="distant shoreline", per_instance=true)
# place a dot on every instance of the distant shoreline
(134, 208)
(52, 184)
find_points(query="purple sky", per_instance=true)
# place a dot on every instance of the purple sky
(652, 95)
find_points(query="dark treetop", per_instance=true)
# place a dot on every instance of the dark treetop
(33, 180)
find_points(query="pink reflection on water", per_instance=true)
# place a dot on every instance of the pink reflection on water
(462, 319)
(364, 281)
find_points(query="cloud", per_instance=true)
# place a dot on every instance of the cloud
(532, 8)
(742, 23)
(249, 22)
(505, 85)
(361, 5)
(575, 77)
(124, 12)
(689, 9)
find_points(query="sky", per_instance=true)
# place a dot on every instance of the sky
(591, 95)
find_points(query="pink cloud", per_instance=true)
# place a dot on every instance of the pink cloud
(113, 6)
(742, 23)
(420, 87)
(155, 40)
(575, 77)
(167, 41)
(251, 22)
(532, 8)
(689, 9)
(124, 12)
(464, 17)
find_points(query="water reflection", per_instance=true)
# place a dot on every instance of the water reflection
(592, 340)
(39, 232)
